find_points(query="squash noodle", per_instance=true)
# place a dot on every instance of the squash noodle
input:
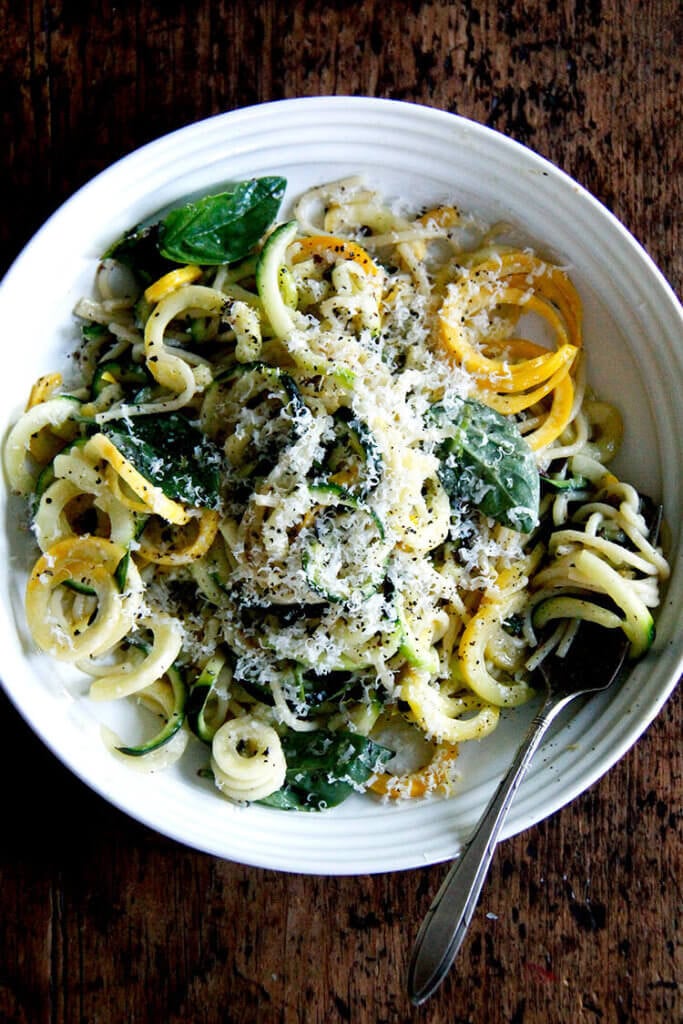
(362, 568)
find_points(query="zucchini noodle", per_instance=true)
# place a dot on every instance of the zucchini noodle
(326, 506)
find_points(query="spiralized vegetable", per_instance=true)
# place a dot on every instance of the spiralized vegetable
(381, 392)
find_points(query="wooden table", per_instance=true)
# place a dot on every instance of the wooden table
(103, 921)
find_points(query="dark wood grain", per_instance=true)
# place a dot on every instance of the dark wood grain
(102, 920)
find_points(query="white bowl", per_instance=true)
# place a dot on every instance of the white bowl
(633, 330)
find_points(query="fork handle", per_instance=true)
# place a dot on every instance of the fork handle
(448, 918)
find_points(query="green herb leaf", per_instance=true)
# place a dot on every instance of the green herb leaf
(564, 484)
(487, 461)
(172, 454)
(324, 768)
(138, 250)
(221, 228)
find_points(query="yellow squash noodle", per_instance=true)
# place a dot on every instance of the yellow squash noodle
(180, 545)
(446, 718)
(434, 777)
(74, 604)
(505, 599)
(151, 498)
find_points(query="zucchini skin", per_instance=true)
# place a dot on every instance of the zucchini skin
(47, 473)
(325, 541)
(198, 698)
(130, 374)
(268, 277)
(173, 724)
(353, 456)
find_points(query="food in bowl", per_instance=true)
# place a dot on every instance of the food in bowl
(324, 493)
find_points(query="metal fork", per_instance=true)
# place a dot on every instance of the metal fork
(597, 658)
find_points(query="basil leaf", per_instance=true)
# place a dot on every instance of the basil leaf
(171, 454)
(487, 461)
(221, 228)
(138, 250)
(324, 768)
